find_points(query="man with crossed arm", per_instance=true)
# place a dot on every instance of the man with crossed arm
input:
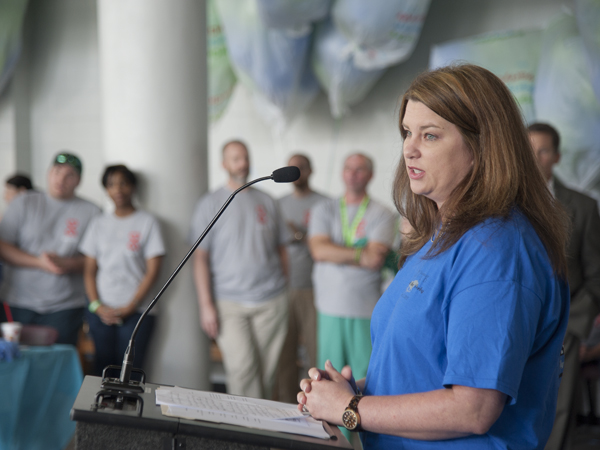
(39, 237)
(349, 238)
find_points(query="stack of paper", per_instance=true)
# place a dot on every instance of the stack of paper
(237, 410)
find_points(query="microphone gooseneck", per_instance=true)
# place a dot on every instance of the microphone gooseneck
(282, 175)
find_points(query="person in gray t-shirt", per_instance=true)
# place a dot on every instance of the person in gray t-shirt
(39, 238)
(239, 277)
(123, 253)
(302, 322)
(349, 239)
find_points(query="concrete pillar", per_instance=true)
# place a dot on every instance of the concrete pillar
(15, 151)
(154, 97)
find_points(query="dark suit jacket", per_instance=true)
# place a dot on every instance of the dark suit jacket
(583, 253)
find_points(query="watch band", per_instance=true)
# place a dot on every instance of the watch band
(351, 417)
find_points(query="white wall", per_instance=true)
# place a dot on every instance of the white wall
(7, 135)
(64, 88)
(372, 125)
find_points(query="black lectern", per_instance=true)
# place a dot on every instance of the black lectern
(141, 425)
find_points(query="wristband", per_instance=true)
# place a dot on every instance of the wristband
(357, 254)
(93, 306)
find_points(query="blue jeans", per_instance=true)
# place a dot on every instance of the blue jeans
(111, 340)
(67, 322)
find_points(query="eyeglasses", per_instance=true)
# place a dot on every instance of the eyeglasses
(67, 158)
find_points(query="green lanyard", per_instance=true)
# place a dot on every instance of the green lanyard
(349, 231)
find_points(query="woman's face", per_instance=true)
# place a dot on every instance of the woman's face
(436, 156)
(119, 189)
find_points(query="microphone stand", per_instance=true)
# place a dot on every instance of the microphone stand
(124, 384)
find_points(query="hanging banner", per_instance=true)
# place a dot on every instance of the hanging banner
(382, 32)
(564, 97)
(271, 63)
(513, 56)
(12, 13)
(587, 13)
(221, 79)
(295, 15)
(332, 63)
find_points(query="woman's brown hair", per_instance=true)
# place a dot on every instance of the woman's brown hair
(504, 175)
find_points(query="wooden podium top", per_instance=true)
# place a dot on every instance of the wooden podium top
(149, 417)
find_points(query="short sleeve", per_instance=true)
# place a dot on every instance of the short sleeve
(320, 221)
(13, 220)
(89, 242)
(155, 245)
(491, 329)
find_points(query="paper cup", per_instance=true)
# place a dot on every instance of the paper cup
(11, 331)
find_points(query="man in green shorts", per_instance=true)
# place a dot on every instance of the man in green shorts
(349, 238)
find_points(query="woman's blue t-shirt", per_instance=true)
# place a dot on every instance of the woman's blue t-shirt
(487, 313)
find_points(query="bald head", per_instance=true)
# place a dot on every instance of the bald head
(303, 163)
(357, 173)
(236, 162)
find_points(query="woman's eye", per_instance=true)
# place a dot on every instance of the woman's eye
(429, 137)
(407, 133)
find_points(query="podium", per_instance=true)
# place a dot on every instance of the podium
(144, 427)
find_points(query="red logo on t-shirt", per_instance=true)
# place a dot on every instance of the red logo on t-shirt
(261, 214)
(134, 241)
(71, 229)
(306, 217)
(360, 230)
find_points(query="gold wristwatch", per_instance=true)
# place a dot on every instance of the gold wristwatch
(351, 417)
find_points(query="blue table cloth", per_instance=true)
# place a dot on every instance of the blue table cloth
(37, 391)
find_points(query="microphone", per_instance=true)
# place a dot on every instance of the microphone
(124, 386)
(286, 174)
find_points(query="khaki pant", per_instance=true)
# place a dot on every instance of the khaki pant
(250, 339)
(302, 328)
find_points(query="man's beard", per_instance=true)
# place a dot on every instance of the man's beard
(240, 177)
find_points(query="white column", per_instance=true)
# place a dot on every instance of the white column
(154, 92)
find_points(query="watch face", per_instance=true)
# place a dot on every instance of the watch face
(350, 419)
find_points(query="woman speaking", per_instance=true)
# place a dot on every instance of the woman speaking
(467, 339)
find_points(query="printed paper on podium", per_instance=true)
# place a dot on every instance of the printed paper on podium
(237, 410)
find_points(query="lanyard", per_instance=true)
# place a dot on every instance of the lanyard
(349, 231)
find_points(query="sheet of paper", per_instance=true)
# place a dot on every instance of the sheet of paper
(237, 410)
(306, 426)
(233, 404)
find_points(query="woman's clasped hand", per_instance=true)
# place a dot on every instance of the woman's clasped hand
(327, 393)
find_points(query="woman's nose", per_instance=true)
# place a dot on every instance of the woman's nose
(409, 149)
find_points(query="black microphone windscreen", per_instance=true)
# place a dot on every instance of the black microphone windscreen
(286, 174)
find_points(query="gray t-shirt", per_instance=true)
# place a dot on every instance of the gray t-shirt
(345, 290)
(121, 246)
(37, 223)
(243, 245)
(296, 213)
